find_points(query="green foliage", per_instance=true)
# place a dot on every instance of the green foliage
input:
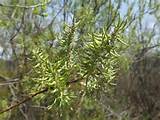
(82, 63)
(93, 65)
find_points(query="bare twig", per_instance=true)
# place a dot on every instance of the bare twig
(23, 113)
(50, 24)
(35, 94)
(7, 81)
(23, 101)
(140, 56)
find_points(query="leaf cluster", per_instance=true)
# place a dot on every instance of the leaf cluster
(89, 67)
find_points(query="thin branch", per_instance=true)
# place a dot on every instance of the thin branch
(37, 93)
(26, 7)
(51, 23)
(23, 113)
(13, 36)
(23, 101)
(7, 80)
(8, 83)
(80, 104)
(140, 56)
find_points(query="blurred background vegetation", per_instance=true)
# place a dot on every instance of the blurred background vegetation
(79, 59)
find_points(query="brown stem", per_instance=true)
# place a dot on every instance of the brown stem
(31, 96)
(23, 101)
